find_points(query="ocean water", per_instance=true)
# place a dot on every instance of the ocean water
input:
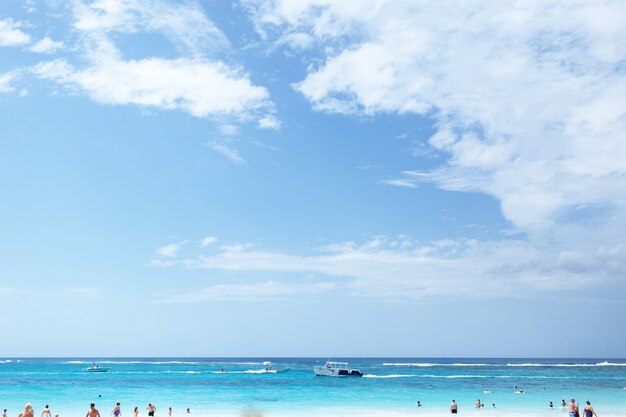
(389, 386)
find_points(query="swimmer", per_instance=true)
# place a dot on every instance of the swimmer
(551, 406)
(93, 411)
(477, 403)
(493, 405)
(588, 411)
(151, 410)
(136, 412)
(454, 408)
(117, 411)
(4, 413)
(28, 411)
(573, 408)
(419, 404)
(46, 411)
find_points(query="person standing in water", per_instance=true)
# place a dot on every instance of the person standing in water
(4, 413)
(454, 408)
(46, 411)
(28, 411)
(169, 412)
(573, 408)
(93, 411)
(588, 411)
(136, 412)
(151, 410)
(117, 411)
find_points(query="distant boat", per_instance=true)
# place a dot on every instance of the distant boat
(270, 369)
(336, 369)
(96, 368)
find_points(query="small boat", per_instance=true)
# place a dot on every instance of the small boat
(270, 370)
(96, 368)
(336, 369)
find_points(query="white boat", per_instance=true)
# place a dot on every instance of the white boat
(269, 368)
(96, 368)
(336, 369)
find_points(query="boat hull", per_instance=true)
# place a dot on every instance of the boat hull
(97, 370)
(323, 371)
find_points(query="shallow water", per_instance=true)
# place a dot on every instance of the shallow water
(389, 385)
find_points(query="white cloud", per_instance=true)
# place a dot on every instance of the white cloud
(255, 292)
(400, 182)
(170, 250)
(46, 46)
(194, 82)
(208, 240)
(201, 88)
(185, 24)
(228, 130)
(269, 122)
(5, 81)
(11, 35)
(528, 97)
(226, 149)
(402, 268)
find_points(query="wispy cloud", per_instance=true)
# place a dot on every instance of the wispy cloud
(269, 122)
(402, 268)
(11, 34)
(6, 80)
(208, 240)
(228, 129)
(527, 97)
(46, 46)
(185, 24)
(226, 148)
(254, 292)
(399, 182)
(195, 82)
(170, 250)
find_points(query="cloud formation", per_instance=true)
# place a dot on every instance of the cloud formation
(46, 46)
(402, 268)
(195, 82)
(6, 80)
(170, 250)
(11, 34)
(528, 98)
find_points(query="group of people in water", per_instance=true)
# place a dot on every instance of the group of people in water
(573, 408)
(93, 411)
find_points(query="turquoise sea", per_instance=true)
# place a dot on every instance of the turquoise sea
(389, 385)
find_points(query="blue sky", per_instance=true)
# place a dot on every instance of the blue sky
(312, 178)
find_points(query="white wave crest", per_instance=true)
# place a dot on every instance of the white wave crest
(566, 365)
(137, 362)
(389, 376)
(427, 365)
